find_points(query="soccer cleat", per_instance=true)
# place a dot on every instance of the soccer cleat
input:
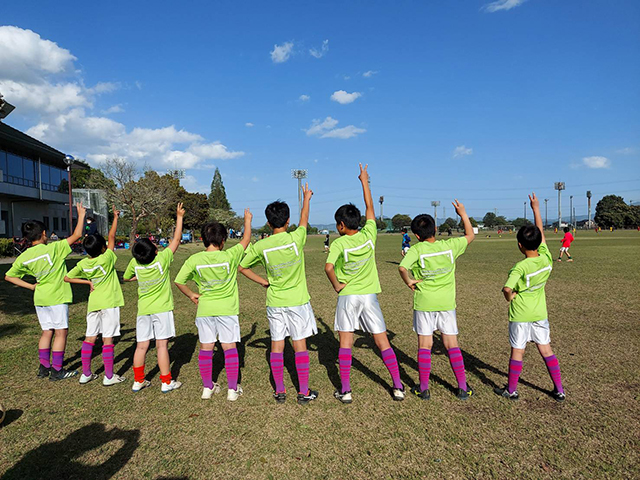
(43, 372)
(504, 392)
(137, 386)
(61, 374)
(464, 395)
(233, 395)
(280, 397)
(309, 397)
(114, 380)
(559, 259)
(343, 397)
(208, 392)
(398, 394)
(421, 394)
(169, 387)
(558, 396)
(84, 379)
(570, 260)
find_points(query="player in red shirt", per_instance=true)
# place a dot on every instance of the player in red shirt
(566, 243)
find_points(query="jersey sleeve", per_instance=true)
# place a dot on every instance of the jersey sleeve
(62, 248)
(300, 236)
(17, 270)
(252, 257)
(130, 272)
(237, 253)
(334, 253)
(186, 272)
(76, 272)
(370, 230)
(110, 258)
(410, 259)
(166, 257)
(543, 250)
(515, 274)
(459, 246)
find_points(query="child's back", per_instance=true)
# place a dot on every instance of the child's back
(528, 278)
(101, 271)
(154, 285)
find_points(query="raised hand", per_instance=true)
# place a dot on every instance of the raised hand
(247, 214)
(533, 200)
(307, 192)
(460, 210)
(81, 209)
(364, 174)
(180, 210)
(116, 212)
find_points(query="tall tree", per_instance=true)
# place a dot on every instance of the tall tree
(613, 211)
(400, 220)
(218, 196)
(489, 220)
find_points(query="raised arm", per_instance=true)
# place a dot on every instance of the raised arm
(462, 212)
(111, 241)
(246, 237)
(77, 233)
(177, 235)
(370, 213)
(304, 214)
(537, 218)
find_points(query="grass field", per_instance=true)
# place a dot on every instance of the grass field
(65, 430)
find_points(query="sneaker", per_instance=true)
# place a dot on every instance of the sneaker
(559, 259)
(570, 260)
(421, 394)
(43, 372)
(233, 395)
(208, 392)
(168, 387)
(464, 395)
(84, 379)
(114, 380)
(343, 397)
(398, 394)
(280, 397)
(558, 396)
(137, 386)
(504, 392)
(309, 397)
(61, 374)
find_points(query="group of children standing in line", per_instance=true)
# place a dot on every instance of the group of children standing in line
(428, 269)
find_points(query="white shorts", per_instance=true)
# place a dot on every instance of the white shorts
(105, 322)
(54, 317)
(359, 312)
(564, 249)
(405, 250)
(224, 327)
(520, 333)
(296, 322)
(425, 323)
(157, 326)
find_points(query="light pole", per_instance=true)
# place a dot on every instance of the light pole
(571, 221)
(546, 213)
(589, 204)
(525, 211)
(381, 202)
(299, 174)
(68, 160)
(559, 186)
(435, 204)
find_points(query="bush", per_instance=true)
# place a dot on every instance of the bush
(6, 247)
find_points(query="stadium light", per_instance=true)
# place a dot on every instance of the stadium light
(68, 160)
(381, 202)
(435, 204)
(589, 203)
(525, 210)
(300, 174)
(559, 186)
(546, 213)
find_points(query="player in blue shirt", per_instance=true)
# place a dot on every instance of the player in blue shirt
(406, 241)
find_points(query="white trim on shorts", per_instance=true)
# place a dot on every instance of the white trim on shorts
(53, 317)
(158, 326)
(225, 328)
(359, 312)
(297, 322)
(521, 333)
(425, 323)
(105, 322)
(564, 249)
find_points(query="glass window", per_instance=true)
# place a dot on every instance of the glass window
(46, 178)
(28, 166)
(56, 224)
(55, 178)
(45, 220)
(64, 224)
(3, 164)
(14, 167)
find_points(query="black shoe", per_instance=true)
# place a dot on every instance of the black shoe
(504, 392)
(280, 397)
(557, 396)
(465, 394)
(421, 394)
(309, 397)
(61, 374)
(343, 397)
(43, 372)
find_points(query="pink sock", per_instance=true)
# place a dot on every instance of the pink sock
(57, 359)
(302, 366)
(424, 368)
(85, 355)
(554, 370)
(44, 354)
(277, 370)
(205, 364)
(232, 366)
(515, 369)
(344, 360)
(457, 365)
(107, 359)
(389, 359)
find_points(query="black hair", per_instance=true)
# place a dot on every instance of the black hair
(530, 237)
(93, 244)
(423, 226)
(403, 230)
(277, 214)
(144, 251)
(32, 230)
(348, 214)
(213, 233)
(566, 229)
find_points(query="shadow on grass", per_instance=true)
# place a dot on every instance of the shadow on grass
(289, 357)
(180, 353)
(11, 416)
(74, 362)
(11, 329)
(393, 263)
(218, 356)
(59, 459)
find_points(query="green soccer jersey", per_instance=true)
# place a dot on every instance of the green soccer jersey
(354, 260)
(435, 264)
(102, 273)
(282, 255)
(528, 278)
(46, 262)
(216, 274)
(154, 285)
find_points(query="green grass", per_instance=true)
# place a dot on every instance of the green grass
(64, 430)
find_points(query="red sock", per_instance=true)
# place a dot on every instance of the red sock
(138, 374)
(166, 378)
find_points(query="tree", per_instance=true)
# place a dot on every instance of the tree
(218, 196)
(381, 224)
(399, 220)
(471, 219)
(448, 225)
(489, 220)
(87, 177)
(197, 207)
(612, 211)
(521, 222)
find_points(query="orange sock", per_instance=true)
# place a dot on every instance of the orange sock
(166, 378)
(138, 374)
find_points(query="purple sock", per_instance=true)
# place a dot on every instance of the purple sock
(457, 365)
(302, 366)
(424, 368)
(57, 359)
(205, 364)
(277, 370)
(515, 369)
(107, 359)
(389, 359)
(232, 366)
(554, 371)
(44, 354)
(85, 355)
(344, 360)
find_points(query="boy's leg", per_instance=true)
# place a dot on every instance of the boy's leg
(108, 356)
(85, 355)
(205, 364)
(276, 360)
(515, 368)
(231, 364)
(302, 364)
(138, 360)
(425, 342)
(552, 366)
(455, 359)
(59, 345)
(44, 348)
(164, 364)
(345, 359)
(389, 358)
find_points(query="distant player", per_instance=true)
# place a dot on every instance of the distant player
(566, 243)
(406, 241)
(528, 319)
(326, 243)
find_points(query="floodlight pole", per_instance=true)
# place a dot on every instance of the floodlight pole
(559, 186)
(589, 205)
(435, 204)
(571, 210)
(299, 174)
(546, 214)
(68, 160)
(381, 202)
(525, 211)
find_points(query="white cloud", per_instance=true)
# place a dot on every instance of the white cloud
(138, 85)
(596, 162)
(248, 124)
(462, 151)
(322, 52)
(627, 151)
(281, 53)
(326, 129)
(369, 73)
(502, 5)
(304, 98)
(113, 109)
(45, 97)
(255, 179)
(344, 98)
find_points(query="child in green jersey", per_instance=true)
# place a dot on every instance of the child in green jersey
(105, 299)
(351, 269)
(433, 266)
(528, 319)
(46, 262)
(288, 309)
(155, 305)
(215, 272)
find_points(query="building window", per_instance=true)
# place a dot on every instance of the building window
(45, 220)
(3, 165)
(14, 169)
(64, 224)
(56, 223)
(29, 172)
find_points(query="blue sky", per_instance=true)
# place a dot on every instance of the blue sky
(478, 100)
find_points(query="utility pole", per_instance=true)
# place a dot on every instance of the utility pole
(559, 186)
(435, 204)
(381, 202)
(571, 221)
(589, 203)
(300, 174)
(525, 210)
(546, 213)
